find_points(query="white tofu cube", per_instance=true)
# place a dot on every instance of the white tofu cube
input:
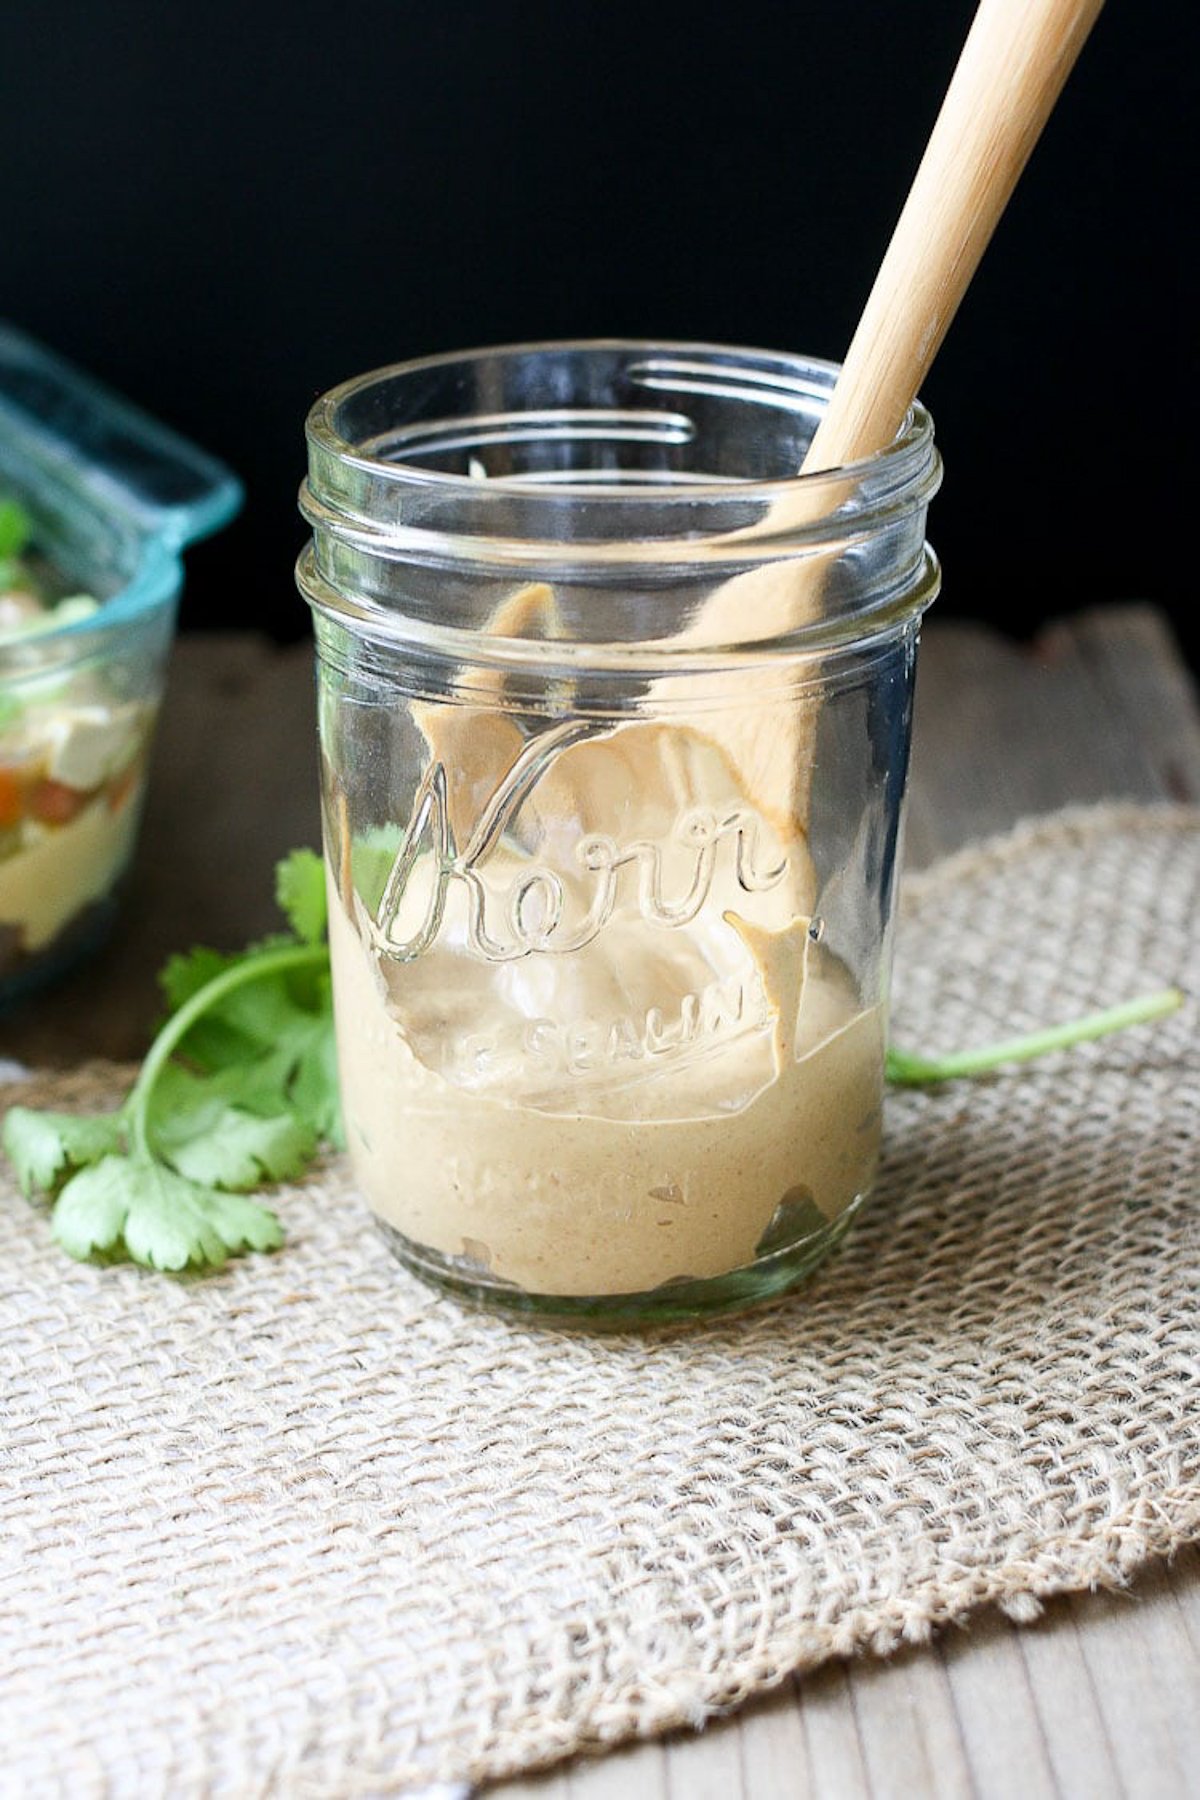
(87, 744)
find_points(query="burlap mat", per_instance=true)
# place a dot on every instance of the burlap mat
(308, 1529)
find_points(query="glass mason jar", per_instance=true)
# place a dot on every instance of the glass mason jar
(614, 714)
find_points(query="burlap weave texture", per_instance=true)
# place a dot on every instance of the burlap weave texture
(306, 1528)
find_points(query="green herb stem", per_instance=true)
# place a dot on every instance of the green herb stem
(912, 1071)
(271, 962)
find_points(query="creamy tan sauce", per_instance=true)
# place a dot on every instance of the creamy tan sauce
(606, 1052)
(543, 1119)
(47, 881)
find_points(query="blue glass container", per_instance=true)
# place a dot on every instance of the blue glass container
(87, 613)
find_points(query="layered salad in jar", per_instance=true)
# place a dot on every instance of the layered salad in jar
(73, 750)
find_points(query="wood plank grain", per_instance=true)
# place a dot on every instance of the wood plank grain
(1135, 661)
(556, 1784)
(836, 1759)
(1073, 1721)
(1141, 1662)
(911, 1738)
(1006, 1745)
(609, 1777)
(775, 1754)
(1183, 1578)
(631, 1769)
(705, 1768)
(1098, 708)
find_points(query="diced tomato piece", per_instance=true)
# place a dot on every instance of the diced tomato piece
(54, 803)
(11, 799)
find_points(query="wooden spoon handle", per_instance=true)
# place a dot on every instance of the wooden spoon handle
(1013, 65)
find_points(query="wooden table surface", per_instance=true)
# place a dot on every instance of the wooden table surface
(1102, 1696)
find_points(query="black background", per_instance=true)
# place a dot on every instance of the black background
(223, 210)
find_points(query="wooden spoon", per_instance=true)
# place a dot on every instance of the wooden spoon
(1013, 65)
(1016, 58)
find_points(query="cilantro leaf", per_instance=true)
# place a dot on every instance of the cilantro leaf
(261, 1013)
(90, 1213)
(16, 527)
(233, 1031)
(206, 1127)
(186, 973)
(275, 1048)
(315, 1091)
(244, 1149)
(43, 1146)
(159, 1179)
(300, 892)
(162, 1219)
(211, 1043)
(299, 1075)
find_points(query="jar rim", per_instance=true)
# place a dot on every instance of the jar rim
(907, 455)
(406, 551)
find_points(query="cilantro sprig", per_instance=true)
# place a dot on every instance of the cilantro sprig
(16, 528)
(906, 1070)
(238, 1089)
